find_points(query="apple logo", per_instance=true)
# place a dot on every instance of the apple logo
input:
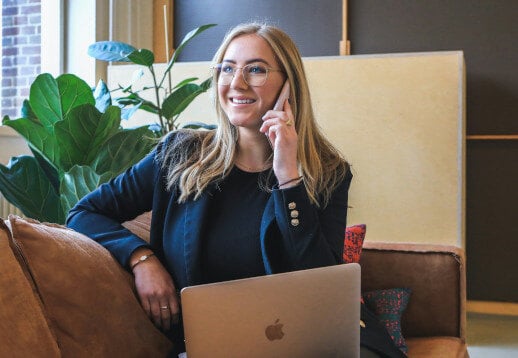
(274, 331)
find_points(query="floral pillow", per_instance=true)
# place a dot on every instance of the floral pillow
(353, 243)
(389, 305)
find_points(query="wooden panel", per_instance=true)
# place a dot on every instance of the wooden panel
(163, 29)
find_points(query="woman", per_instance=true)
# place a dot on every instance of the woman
(263, 193)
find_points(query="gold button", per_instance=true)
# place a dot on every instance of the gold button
(294, 214)
(292, 205)
(294, 222)
(362, 324)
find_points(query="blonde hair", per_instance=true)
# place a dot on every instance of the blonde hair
(197, 158)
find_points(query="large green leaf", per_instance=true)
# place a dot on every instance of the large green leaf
(177, 101)
(50, 171)
(71, 140)
(76, 183)
(184, 82)
(187, 38)
(52, 99)
(205, 85)
(45, 101)
(108, 126)
(39, 138)
(136, 102)
(142, 57)
(110, 51)
(26, 186)
(27, 111)
(81, 135)
(125, 149)
(73, 92)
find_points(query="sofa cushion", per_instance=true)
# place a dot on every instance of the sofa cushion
(88, 298)
(24, 330)
(353, 243)
(389, 305)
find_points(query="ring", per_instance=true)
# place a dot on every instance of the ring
(164, 307)
(289, 122)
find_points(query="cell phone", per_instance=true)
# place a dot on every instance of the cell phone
(279, 105)
(283, 96)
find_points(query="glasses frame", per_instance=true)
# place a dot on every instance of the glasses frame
(217, 72)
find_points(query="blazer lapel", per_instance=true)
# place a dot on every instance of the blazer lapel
(195, 218)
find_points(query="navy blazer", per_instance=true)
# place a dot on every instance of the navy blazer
(314, 238)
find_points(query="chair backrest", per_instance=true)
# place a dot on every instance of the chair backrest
(435, 273)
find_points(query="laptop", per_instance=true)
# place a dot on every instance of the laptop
(307, 313)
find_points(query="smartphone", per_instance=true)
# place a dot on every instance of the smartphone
(283, 96)
(279, 105)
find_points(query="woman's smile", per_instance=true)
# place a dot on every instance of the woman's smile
(243, 104)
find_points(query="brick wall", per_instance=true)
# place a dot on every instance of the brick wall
(21, 52)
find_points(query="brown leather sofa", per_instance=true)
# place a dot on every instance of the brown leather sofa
(62, 294)
(434, 322)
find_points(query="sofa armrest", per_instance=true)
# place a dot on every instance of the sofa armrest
(435, 273)
(140, 226)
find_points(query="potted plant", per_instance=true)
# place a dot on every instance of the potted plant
(169, 101)
(76, 138)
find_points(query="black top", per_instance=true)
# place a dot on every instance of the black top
(233, 249)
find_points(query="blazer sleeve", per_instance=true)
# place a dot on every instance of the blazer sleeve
(100, 213)
(311, 236)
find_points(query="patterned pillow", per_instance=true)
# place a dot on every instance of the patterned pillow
(353, 243)
(389, 306)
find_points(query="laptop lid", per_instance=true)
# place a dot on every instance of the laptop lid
(307, 313)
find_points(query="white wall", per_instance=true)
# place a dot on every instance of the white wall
(11, 145)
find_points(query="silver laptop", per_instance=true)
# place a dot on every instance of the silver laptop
(308, 313)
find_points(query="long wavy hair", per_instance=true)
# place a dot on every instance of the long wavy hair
(195, 159)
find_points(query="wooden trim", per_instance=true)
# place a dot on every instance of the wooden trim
(345, 44)
(159, 28)
(490, 307)
(492, 137)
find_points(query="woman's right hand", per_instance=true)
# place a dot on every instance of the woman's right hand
(156, 290)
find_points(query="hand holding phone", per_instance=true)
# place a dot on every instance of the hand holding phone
(279, 104)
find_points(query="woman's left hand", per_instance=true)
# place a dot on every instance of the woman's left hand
(279, 127)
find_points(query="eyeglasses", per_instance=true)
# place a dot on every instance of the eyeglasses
(254, 74)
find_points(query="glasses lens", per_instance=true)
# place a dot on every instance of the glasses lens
(224, 74)
(255, 74)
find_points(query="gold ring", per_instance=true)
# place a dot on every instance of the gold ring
(164, 307)
(289, 122)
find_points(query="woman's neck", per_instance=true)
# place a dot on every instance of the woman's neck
(253, 152)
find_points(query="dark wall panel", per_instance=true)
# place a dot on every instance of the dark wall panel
(487, 32)
(492, 228)
(315, 26)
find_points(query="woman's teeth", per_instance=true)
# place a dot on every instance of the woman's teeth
(242, 101)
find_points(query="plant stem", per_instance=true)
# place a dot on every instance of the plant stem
(157, 95)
